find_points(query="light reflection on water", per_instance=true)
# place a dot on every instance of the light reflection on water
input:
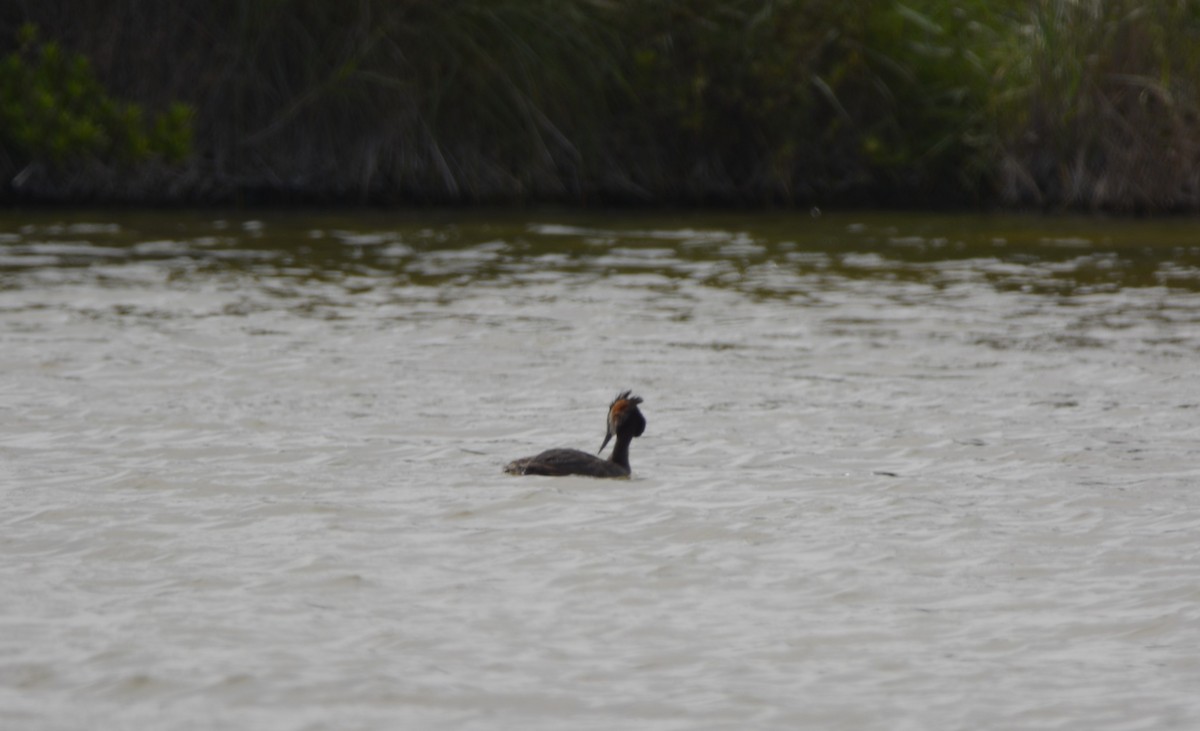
(900, 471)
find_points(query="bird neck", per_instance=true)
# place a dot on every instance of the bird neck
(620, 453)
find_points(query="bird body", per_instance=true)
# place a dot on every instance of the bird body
(558, 462)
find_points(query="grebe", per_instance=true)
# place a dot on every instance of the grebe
(624, 421)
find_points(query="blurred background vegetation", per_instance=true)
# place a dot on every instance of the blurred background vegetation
(1083, 104)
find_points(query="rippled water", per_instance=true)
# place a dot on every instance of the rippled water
(900, 473)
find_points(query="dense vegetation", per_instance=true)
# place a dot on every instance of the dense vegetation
(1056, 103)
(56, 114)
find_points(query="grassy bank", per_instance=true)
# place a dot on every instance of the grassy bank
(1085, 104)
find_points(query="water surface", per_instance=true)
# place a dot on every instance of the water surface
(901, 472)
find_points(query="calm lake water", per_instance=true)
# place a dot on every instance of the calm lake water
(901, 472)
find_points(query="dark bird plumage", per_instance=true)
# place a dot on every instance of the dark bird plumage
(625, 421)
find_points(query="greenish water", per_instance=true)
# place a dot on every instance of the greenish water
(900, 471)
(1067, 255)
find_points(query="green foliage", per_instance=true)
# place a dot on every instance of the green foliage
(1100, 105)
(917, 78)
(794, 97)
(54, 110)
(722, 92)
(1086, 103)
(530, 81)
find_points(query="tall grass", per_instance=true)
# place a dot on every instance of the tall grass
(1101, 107)
(1075, 103)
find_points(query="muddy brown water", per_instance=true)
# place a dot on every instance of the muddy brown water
(901, 471)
